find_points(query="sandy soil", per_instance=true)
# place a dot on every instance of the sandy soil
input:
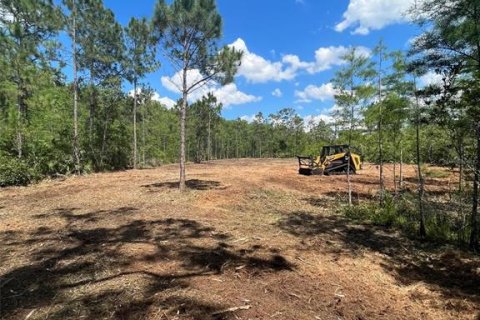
(251, 235)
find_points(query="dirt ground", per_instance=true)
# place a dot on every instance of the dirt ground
(250, 235)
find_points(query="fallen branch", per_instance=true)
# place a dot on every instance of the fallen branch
(294, 295)
(232, 309)
(30, 314)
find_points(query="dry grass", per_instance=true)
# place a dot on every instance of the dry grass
(128, 245)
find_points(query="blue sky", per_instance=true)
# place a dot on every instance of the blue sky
(292, 48)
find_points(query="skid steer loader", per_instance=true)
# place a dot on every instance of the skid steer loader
(336, 159)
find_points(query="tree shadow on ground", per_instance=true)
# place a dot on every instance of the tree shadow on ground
(455, 275)
(194, 184)
(130, 270)
(321, 202)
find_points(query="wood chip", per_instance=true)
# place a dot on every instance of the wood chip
(30, 314)
(294, 295)
(232, 309)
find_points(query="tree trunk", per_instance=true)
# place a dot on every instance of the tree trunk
(20, 100)
(348, 162)
(104, 138)
(165, 145)
(380, 138)
(20, 120)
(474, 218)
(349, 182)
(75, 145)
(395, 190)
(236, 143)
(476, 180)
(422, 230)
(209, 141)
(91, 117)
(21, 109)
(260, 148)
(401, 167)
(183, 117)
(135, 124)
(460, 174)
(143, 134)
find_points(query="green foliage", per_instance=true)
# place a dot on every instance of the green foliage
(354, 90)
(443, 224)
(189, 31)
(140, 50)
(393, 213)
(435, 173)
(15, 172)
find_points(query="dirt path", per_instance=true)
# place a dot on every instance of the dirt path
(250, 234)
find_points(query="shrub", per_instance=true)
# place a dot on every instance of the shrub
(395, 212)
(386, 215)
(362, 211)
(15, 172)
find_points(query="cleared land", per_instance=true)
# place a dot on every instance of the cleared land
(250, 234)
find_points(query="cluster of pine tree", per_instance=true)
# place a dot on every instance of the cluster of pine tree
(63, 110)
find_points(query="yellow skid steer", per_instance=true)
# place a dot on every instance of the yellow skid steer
(336, 159)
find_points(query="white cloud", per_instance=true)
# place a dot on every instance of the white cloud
(5, 17)
(228, 95)
(367, 15)
(323, 93)
(317, 118)
(327, 57)
(430, 78)
(174, 83)
(165, 101)
(257, 69)
(294, 63)
(312, 120)
(247, 118)
(277, 93)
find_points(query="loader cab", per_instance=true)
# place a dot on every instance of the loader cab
(332, 150)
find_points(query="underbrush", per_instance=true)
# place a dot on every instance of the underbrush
(15, 172)
(446, 218)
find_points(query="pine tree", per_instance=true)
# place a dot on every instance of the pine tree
(353, 91)
(26, 27)
(139, 59)
(454, 34)
(100, 52)
(189, 32)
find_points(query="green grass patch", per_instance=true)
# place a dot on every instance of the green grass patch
(436, 173)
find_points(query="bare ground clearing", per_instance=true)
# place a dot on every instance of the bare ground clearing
(249, 233)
